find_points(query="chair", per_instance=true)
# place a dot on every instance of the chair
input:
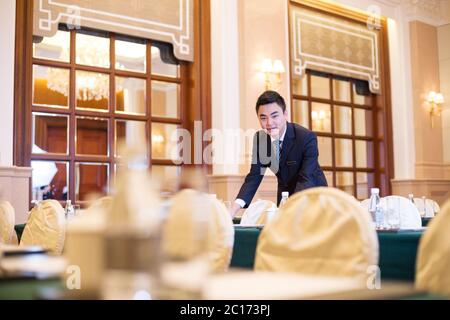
(319, 231)
(431, 207)
(433, 257)
(409, 215)
(197, 221)
(256, 213)
(45, 227)
(7, 221)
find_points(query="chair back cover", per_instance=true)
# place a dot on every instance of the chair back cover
(321, 231)
(46, 227)
(7, 221)
(193, 215)
(409, 215)
(256, 213)
(433, 257)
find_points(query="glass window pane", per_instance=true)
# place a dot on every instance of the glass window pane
(130, 95)
(55, 48)
(50, 86)
(364, 154)
(321, 117)
(92, 136)
(300, 85)
(164, 141)
(165, 99)
(130, 132)
(363, 122)
(92, 50)
(159, 67)
(342, 120)
(130, 56)
(92, 90)
(50, 133)
(301, 113)
(341, 90)
(320, 87)
(364, 182)
(49, 180)
(344, 181)
(325, 151)
(360, 99)
(91, 178)
(329, 177)
(167, 177)
(344, 153)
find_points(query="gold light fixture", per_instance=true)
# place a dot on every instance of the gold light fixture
(272, 73)
(434, 101)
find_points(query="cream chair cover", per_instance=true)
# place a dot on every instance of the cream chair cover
(433, 258)
(7, 221)
(431, 207)
(409, 215)
(365, 203)
(45, 227)
(321, 231)
(256, 213)
(192, 213)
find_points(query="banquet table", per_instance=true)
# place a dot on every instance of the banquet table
(397, 261)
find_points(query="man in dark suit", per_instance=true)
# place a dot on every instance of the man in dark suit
(289, 150)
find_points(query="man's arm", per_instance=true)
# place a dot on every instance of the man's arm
(252, 180)
(309, 164)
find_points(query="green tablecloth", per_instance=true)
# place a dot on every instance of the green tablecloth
(19, 230)
(397, 252)
(27, 289)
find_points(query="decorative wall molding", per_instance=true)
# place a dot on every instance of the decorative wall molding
(436, 189)
(169, 21)
(434, 12)
(334, 45)
(15, 188)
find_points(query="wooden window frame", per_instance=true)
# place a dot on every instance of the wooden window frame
(194, 98)
(383, 161)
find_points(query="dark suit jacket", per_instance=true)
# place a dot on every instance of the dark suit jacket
(297, 169)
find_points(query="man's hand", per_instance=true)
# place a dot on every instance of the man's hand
(234, 209)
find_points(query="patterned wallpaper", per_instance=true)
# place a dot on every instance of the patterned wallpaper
(334, 45)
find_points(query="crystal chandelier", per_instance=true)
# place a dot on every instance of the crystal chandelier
(89, 85)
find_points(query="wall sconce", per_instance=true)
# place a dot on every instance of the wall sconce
(272, 70)
(435, 101)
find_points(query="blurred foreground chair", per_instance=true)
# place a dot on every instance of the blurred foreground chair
(256, 213)
(7, 221)
(45, 227)
(319, 231)
(409, 215)
(192, 213)
(433, 258)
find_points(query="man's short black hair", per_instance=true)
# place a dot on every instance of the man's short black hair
(270, 97)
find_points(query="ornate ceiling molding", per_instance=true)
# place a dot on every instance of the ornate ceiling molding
(169, 20)
(434, 12)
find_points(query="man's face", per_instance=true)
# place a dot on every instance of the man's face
(272, 119)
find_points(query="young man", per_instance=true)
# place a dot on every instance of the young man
(288, 149)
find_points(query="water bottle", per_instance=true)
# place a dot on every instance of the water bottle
(69, 210)
(375, 206)
(411, 198)
(424, 212)
(284, 197)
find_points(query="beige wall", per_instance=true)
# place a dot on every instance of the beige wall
(444, 74)
(7, 34)
(425, 78)
(262, 29)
